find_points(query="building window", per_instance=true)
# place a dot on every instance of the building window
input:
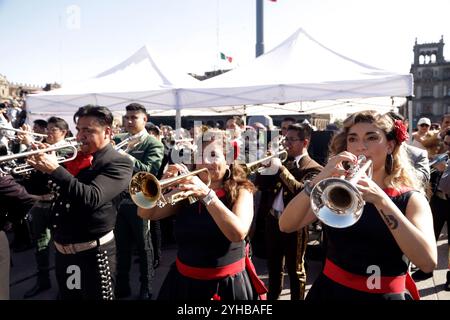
(421, 59)
(427, 109)
(448, 109)
(427, 91)
(447, 73)
(428, 74)
(433, 58)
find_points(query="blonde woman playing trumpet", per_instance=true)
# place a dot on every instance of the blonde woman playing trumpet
(369, 260)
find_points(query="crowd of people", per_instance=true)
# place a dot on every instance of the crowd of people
(250, 195)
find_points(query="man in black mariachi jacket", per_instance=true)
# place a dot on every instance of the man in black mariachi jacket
(84, 210)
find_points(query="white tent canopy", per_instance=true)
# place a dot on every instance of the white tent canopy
(300, 70)
(138, 78)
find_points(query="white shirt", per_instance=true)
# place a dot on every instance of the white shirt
(278, 204)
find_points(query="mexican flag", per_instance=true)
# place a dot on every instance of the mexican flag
(223, 56)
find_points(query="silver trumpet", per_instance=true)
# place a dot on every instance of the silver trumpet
(123, 145)
(258, 165)
(147, 191)
(2, 127)
(336, 201)
(25, 168)
(443, 157)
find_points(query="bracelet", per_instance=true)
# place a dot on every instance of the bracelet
(209, 197)
(307, 187)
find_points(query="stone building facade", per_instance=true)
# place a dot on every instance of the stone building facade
(11, 90)
(431, 81)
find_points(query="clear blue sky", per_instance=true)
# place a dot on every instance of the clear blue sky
(48, 40)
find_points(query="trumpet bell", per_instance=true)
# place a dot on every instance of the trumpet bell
(145, 190)
(337, 203)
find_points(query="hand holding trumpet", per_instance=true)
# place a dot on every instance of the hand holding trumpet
(189, 186)
(46, 162)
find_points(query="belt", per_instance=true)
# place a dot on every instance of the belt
(73, 248)
(275, 213)
(396, 284)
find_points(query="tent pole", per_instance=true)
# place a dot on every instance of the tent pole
(178, 112)
(259, 28)
(410, 116)
(178, 119)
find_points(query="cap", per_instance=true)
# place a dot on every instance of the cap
(424, 121)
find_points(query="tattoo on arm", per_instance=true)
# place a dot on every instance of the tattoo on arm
(390, 220)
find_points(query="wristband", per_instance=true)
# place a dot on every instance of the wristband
(209, 197)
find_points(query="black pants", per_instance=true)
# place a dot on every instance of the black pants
(39, 219)
(289, 248)
(87, 275)
(155, 231)
(130, 228)
(441, 213)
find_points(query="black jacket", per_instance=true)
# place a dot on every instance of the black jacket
(86, 205)
(14, 200)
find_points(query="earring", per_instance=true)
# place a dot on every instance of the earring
(389, 164)
(227, 174)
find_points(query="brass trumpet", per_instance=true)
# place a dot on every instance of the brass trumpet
(336, 201)
(147, 191)
(25, 168)
(256, 166)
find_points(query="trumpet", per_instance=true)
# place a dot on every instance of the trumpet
(125, 142)
(25, 168)
(438, 159)
(336, 201)
(2, 127)
(256, 166)
(147, 191)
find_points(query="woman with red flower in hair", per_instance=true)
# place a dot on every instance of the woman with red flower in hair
(212, 258)
(369, 260)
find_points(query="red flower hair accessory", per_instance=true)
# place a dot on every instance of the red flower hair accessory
(401, 134)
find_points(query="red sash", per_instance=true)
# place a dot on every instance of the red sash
(225, 271)
(396, 284)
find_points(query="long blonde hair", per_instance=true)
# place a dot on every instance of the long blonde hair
(403, 173)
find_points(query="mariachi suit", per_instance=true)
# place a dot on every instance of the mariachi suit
(147, 155)
(291, 246)
(83, 217)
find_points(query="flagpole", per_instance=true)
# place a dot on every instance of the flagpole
(259, 28)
